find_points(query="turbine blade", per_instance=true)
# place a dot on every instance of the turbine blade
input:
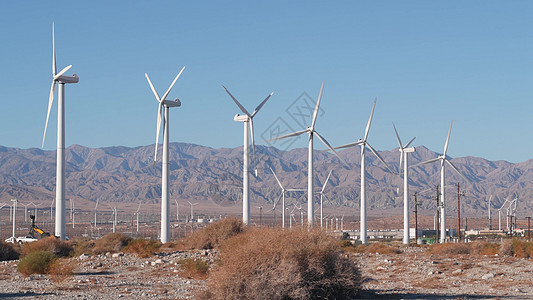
(397, 136)
(277, 179)
(326, 182)
(158, 129)
(50, 101)
(277, 201)
(331, 149)
(289, 135)
(62, 72)
(152, 87)
(406, 146)
(401, 161)
(253, 145)
(425, 162)
(237, 102)
(54, 66)
(380, 158)
(256, 110)
(457, 170)
(370, 119)
(172, 85)
(348, 145)
(327, 198)
(447, 140)
(315, 113)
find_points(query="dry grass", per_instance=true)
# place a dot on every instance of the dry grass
(113, 242)
(522, 249)
(37, 262)
(55, 246)
(142, 248)
(213, 235)
(506, 248)
(8, 251)
(194, 268)
(450, 249)
(277, 264)
(62, 269)
(379, 248)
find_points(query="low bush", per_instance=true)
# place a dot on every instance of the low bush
(83, 246)
(142, 248)
(37, 262)
(113, 242)
(506, 248)
(450, 249)
(277, 264)
(8, 252)
(194, 268)
(380, 248)
(213, 235)
(484, 248)
(55, 246)
(61, 269)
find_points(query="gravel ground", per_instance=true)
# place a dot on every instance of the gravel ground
(413, 274)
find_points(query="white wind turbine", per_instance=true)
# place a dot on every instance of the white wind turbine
(311, 131)
(282, 198)
(322, 195)
(404, 153)
(442, 158)
(60, 163)
(248, 120)
(192, 209)
(364, 143)
(165, 204)
(137, 215)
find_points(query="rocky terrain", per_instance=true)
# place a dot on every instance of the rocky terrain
(412, 274)
(213, 177)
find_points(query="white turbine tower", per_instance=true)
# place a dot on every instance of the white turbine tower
(165, 204)
(364, 143)
(282, 198)
(192, 209)
(404, 153)
(442, 158)
(248, 120)
(60, 163)
(311, 131)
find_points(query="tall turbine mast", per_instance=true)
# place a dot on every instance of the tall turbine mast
(404, 152)
(311, 131)
(165, 202)
(60, 163)
(248, 121)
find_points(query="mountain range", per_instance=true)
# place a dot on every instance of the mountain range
(214, 177)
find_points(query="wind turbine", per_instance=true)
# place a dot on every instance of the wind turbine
(364, 143)
(282, 198)
(192, 209)
(322, 195)
(137, 214)
(442, 158)
(165, 205)
(248, 120)
(95, 211)
(15, 201)
(311, 131)
(404, 153)
(490, 219)
(60, 163)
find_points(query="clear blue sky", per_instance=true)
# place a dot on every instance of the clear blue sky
(427, 63)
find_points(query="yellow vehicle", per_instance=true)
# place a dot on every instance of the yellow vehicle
(34, 229)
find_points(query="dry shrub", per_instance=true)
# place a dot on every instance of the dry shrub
(194, 268)
(55, 246)
(213, 235)
(380, 248)
(37, 262)
(484, 248)
(522, 249)
(142, 248)
(83, 246)
(61, 269)
(113, 242)
(8, 252)
(277, 264)
(506, 248)
(450, 249)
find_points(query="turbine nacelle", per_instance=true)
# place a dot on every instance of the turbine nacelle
(408, 150)
(68, 79)
(172, 103)
(241, 118)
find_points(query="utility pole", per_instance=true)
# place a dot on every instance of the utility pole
(416, 218)
(260, 215)
(459, 194)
